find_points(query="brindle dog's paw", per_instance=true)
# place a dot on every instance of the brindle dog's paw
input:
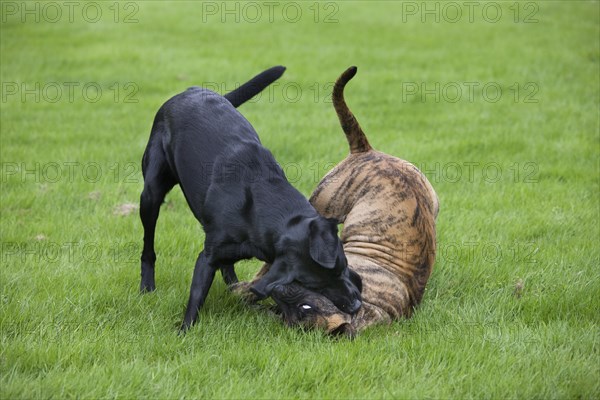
(242, 290)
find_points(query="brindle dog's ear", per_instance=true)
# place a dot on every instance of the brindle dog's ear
(277, 275)
(323, 242)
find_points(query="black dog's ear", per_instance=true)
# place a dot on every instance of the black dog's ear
(323, 241)
(355, 279)
(277, 275)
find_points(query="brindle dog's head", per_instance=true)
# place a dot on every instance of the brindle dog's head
(303, 307)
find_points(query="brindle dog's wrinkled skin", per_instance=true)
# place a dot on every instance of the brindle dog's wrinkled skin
(388, 208)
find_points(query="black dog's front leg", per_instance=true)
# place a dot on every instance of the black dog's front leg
(204, 273)
(270, 276)
(229, 275)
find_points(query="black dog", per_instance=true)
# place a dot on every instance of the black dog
(240, 195)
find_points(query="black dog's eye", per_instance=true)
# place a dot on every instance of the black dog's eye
(305, 307)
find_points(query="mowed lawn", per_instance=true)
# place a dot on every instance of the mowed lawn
(497, 104)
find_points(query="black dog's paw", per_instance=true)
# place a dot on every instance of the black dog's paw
(147, 287)
(183, 329)
(186, 325)
(243, 291)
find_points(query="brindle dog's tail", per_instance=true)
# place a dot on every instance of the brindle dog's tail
(254, 86)
(356, 137)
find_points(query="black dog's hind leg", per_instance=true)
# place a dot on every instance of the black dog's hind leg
(202, 279)
(158, 181)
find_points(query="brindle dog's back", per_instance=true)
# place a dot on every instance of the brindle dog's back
(388, 209)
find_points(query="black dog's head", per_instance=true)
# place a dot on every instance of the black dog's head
(302, 307)
(310, 253)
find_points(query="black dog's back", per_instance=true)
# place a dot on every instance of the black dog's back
(196, 127)
(183, 117)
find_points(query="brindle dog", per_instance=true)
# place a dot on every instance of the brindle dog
(388, 208)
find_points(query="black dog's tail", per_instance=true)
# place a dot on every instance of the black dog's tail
(356, 137)
(254, 86)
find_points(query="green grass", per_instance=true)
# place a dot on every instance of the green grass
(72, 322)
